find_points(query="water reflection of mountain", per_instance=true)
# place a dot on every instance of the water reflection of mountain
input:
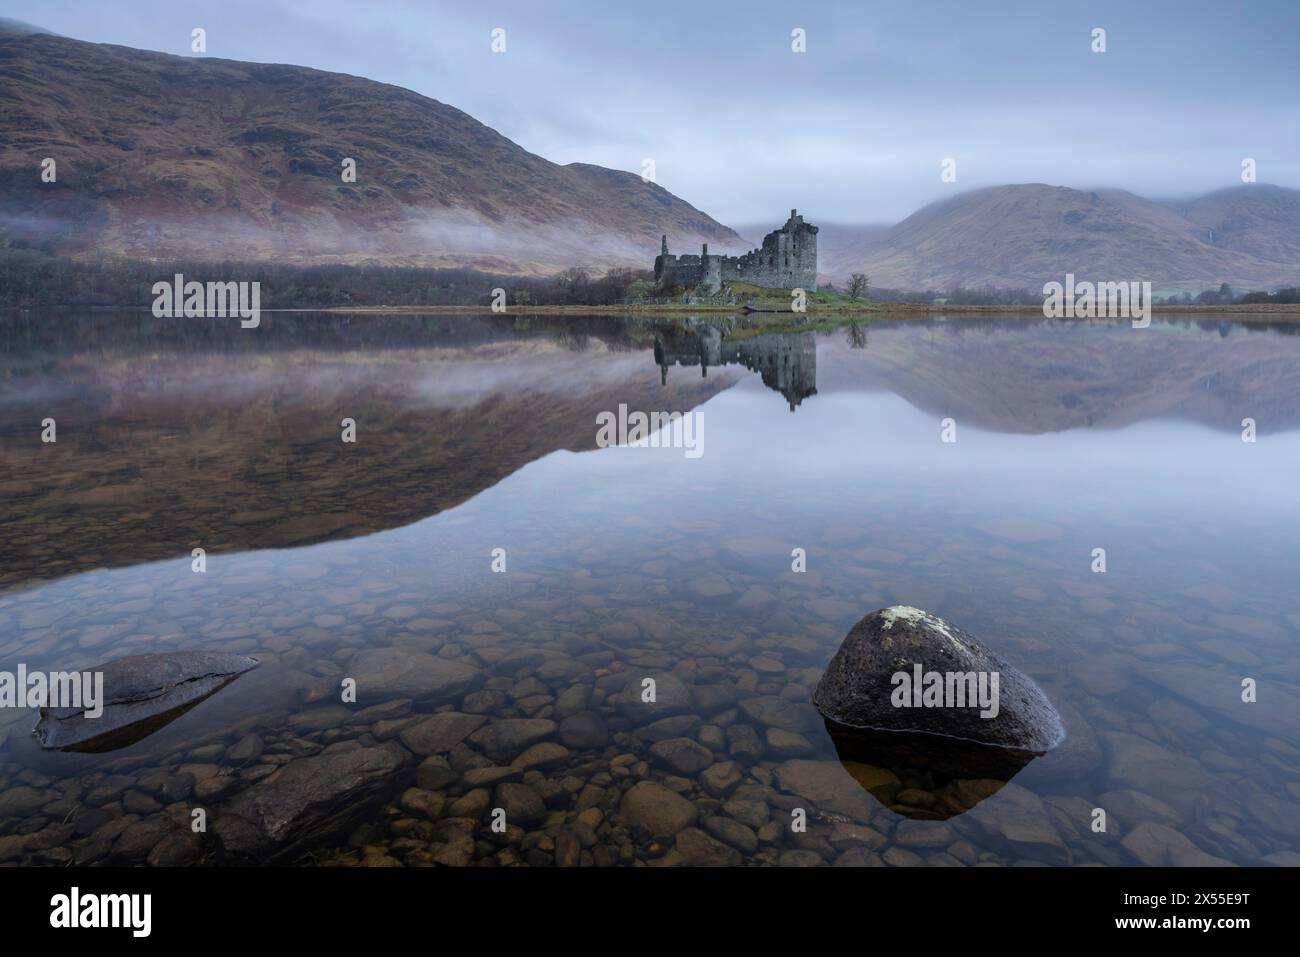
(173, 436)
(178, 435)
(786, 362)
(1022, 375)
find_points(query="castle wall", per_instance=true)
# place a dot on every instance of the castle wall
(678, 270)
(786, 260)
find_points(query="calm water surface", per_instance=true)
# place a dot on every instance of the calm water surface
(374, 561)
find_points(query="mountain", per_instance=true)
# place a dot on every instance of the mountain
(9, 25)
(1259, 220)
(167, 157)
(163, 156)
(1025, 235)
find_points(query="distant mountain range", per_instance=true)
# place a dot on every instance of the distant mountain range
(1025, 235)
(168, 157)
(164, 156)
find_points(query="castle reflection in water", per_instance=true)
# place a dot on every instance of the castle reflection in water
(787, 362)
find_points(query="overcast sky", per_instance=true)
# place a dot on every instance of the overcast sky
(853, 130)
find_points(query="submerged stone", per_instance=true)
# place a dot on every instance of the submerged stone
(657, 810)
(1019, 818)
(959, 773)
(141, 694)
(904, 669)
(308, 801)
(384, 672)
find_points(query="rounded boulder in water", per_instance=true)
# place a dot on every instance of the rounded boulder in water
(904, 669)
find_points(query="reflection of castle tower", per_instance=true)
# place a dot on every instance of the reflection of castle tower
(702, 349)
(786, 362)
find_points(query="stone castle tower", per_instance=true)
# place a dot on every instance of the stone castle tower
(786, 260)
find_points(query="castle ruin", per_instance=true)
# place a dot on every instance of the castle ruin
(786, 260)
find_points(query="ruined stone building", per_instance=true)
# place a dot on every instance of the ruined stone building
(786, 362)
(786, 260)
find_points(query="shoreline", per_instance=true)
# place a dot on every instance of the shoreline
(1264, 312)
(1259, 312)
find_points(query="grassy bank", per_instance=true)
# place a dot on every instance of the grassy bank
(865, 309)
(772, 308)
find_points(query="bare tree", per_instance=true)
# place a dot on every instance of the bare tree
(573, 282)
(859, 283)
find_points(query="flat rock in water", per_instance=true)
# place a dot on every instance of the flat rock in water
(780, 713)
(507, 737)
(1172, 776)
(858, 687)
(635, 702)
(441, 732)
(831, 786)
(307, 801)
(659, 811)
(1018, 817)
(383, 672)
(141, 694)
(1218, 689)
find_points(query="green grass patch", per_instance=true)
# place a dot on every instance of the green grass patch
(766, 299)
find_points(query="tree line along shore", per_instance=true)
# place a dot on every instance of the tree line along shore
(36, 276)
